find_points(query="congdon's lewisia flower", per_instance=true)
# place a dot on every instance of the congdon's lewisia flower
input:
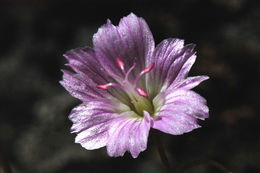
(128, 86)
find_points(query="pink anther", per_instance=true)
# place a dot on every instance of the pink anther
(105, 86)
(141, 92)
(148, 69)
(121, 64)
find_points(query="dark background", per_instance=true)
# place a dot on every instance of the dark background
(34, 127)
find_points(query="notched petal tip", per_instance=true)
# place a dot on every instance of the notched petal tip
(109, 21)
(190, 46)
(131, 16)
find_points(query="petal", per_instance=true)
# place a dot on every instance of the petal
(91, 123)
(80, 87)
(184, 68)
(180, 67)
(139, 136)
(189, 82)
(166, 52)
(94, 137)
(83, 61)
(172, 62)
(180, 111)
(86, 115)
(175, 123)
(89, 74)
(130, 41)
(128, 134)
(187, 101)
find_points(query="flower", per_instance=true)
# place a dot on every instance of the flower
(128, 86)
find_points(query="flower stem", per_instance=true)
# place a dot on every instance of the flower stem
(161, 151)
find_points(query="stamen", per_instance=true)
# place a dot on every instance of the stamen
(148, 69)
(141, 92)
(121, 64)
(106, 86)
(129, 71)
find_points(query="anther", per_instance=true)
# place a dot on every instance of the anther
(121, 64)
(141, 92)
(105, 86)
(148, 69)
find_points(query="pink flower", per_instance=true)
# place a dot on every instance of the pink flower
(128, 86)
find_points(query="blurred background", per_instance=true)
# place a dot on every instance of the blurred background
(34, 125)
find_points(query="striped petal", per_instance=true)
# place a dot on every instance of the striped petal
(89, 74)
(188, 83)
(131, 40)
(180, 112)
(80, 87)
(128, 134)
(84, 62)
(91, 122)
(172, 62)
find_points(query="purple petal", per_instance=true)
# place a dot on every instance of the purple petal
(91, 123)
(166, 52)
(180, 110)
(89, 74)
(180, 66)
(187, 101)
(175, 123)
(80, 87)
(128, 134)
(184, 68)
(83, 61)
(94, 137)
(131, 41)
(172, 61)
(90, 114)
(189, 83)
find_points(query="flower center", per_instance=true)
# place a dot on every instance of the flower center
(139, 98)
